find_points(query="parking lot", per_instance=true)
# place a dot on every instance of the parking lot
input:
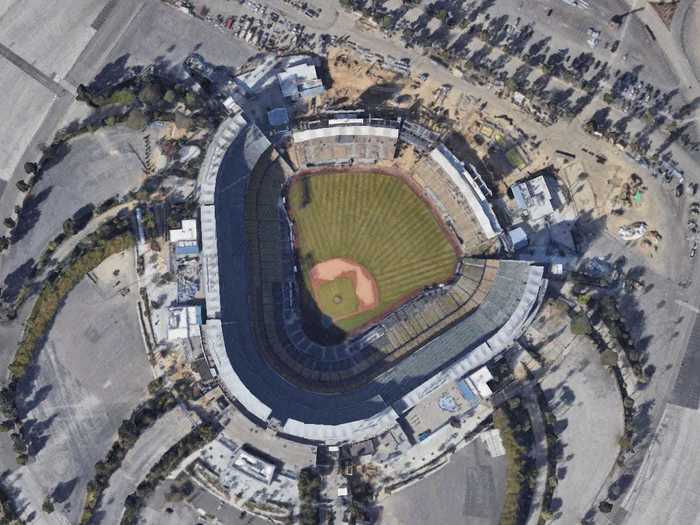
(583, 396)
(92, 372)
(94, 168)
(469, 490)
(665, 489)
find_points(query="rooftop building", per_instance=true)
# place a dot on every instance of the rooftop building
(184, 322)
(471, 187)
(517, 238)
(185, 239)
(187, 231)
(300, 81)
(532, 198)
(479, 381)
(253, 466)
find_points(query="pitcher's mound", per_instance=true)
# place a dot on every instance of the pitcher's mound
(343, 288)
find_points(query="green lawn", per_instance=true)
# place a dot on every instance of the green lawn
(514, 158)
(337, 298)
(376, 220)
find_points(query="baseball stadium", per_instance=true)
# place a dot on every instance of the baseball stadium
(340, 291)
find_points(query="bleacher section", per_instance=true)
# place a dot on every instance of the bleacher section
(450, 203)
(344, 141)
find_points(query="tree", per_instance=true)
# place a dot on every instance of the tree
(155, 385)
(150, 94)
(170, 96)
(624, 443)
(191, 100)
(182, 121)
(605, 507)
(30, 168)
(580, 325)
(68, 227)
(609, 358)
(48, 506)
(84, 95)
(7, 403)
(136, 119)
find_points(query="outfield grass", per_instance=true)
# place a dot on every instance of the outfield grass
(337, 298)
(376, 220)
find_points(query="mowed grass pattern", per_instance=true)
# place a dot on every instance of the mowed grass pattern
(376, 220)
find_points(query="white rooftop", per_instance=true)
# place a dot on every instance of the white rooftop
(468, 187)
(493, 442)
(479, 381)
(253, 466)
(518, 237)
(187, 231)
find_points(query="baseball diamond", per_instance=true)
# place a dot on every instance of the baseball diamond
(374, 221)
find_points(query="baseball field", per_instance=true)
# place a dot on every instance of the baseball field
(366, 242)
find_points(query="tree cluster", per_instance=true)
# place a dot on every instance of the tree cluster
(309, 487)
(513, 422)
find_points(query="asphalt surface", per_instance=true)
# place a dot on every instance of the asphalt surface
(666, 487)
(145, 453)
(469, 490)
(32, 71)
(583, 396)
(99, 166)
(92, 371)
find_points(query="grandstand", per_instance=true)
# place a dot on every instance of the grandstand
(254, 335)
(344, 139)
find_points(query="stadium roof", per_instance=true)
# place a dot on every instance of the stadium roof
(335, 131)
